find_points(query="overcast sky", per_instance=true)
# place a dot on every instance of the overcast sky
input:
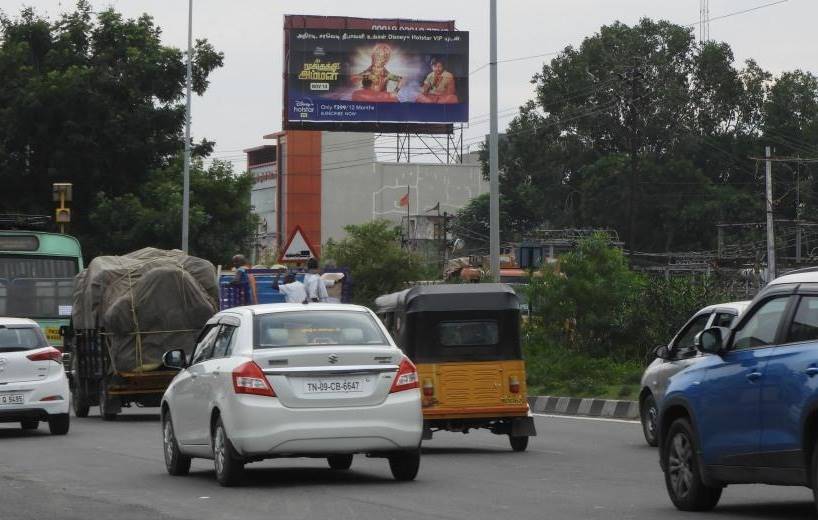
(244, 99)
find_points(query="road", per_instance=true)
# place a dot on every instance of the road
(575, 469)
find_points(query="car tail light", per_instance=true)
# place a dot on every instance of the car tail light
(514, 385)
(428, 388)
(52, 398)
(249, 379)
(407, 378)
(49, 354)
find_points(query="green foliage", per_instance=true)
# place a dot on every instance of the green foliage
(94, 99)
(374, 256)
(554, 369)
(643, 116)
(221, 222)
(588, 299)
(592, 305)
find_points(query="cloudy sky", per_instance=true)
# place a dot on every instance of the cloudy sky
(244, 99)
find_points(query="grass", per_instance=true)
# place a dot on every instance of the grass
(558, 371)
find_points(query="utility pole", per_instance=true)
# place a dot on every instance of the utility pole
(632, 75)
(494, 163)
(770, 223)
(188, 86)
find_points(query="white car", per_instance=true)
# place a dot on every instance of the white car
(33, 384)
(292, 380)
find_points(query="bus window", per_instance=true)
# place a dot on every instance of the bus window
(36, 286)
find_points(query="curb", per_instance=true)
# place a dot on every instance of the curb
(585, 407)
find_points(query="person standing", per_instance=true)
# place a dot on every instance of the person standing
(244, 280)
(292, 289)
(316, 290)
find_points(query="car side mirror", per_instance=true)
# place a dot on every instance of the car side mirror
(712, 340)
(662, 352)
(175, 358)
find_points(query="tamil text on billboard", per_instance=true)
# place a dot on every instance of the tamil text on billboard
(361, 76)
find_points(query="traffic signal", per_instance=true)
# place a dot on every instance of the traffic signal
(62, 216)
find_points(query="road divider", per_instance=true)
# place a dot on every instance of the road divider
(608, 408)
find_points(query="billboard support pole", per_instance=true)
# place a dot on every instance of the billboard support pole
(494, 182)
(188, 81)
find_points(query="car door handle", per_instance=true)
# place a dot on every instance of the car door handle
(754, 376)
(811, 371)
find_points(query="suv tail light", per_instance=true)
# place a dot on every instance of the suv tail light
(249, 379)
(49, 354)
(407, 378)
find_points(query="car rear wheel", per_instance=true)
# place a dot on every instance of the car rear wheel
(229, 466)
(340, 462)
(405, 465)
(58, 424)
(518, 443)
(682, 476)
(176, 462)
(30, 424)
(648, 413)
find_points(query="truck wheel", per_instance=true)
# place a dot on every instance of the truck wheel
(229, 466)
(518, 443)
(104, 403)
(58, 423)
(682, 478)
(176, 462)
(79, 402)
(405, 466)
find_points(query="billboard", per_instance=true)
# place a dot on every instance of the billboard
(360, 74)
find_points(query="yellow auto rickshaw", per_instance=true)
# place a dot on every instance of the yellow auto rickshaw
(465, 341)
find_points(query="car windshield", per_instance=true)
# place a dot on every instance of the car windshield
(310, 328)
(15, 339)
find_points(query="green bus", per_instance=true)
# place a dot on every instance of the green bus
(37, 271)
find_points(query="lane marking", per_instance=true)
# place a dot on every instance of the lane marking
(580, 418)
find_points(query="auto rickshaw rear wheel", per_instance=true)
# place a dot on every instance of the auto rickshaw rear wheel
(518, 443)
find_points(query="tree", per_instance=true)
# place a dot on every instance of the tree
(374, 256)
(642, 129)
(92, 99)
(221, 220)
(588, 299)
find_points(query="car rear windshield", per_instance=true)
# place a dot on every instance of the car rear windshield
(313, 328)
(15, 339)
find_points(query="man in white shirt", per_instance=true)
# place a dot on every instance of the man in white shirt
(316, 290)
(292, 289)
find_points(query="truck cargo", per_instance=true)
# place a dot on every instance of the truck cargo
(127, 311)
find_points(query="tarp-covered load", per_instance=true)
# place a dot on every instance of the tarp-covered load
(147, 302)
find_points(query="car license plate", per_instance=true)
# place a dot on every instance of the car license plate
(347, 385)
(11, 398)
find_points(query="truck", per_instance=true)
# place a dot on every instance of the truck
(127, 311)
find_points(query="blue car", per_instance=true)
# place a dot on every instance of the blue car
(747, 412)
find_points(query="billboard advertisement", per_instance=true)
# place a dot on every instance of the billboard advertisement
(346, 77)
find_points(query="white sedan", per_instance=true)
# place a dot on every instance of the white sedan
(33, 384)
(292, 380)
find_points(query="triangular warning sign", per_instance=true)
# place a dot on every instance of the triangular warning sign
(298, 248)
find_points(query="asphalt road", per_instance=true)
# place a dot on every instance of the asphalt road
(575, 469)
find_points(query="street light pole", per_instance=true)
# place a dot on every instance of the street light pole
(188, 86)
(494, 180)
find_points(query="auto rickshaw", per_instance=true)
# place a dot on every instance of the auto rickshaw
(465, 341)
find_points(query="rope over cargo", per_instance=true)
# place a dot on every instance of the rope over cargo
(147, 302)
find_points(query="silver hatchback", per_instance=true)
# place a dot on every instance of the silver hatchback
(677, 355)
